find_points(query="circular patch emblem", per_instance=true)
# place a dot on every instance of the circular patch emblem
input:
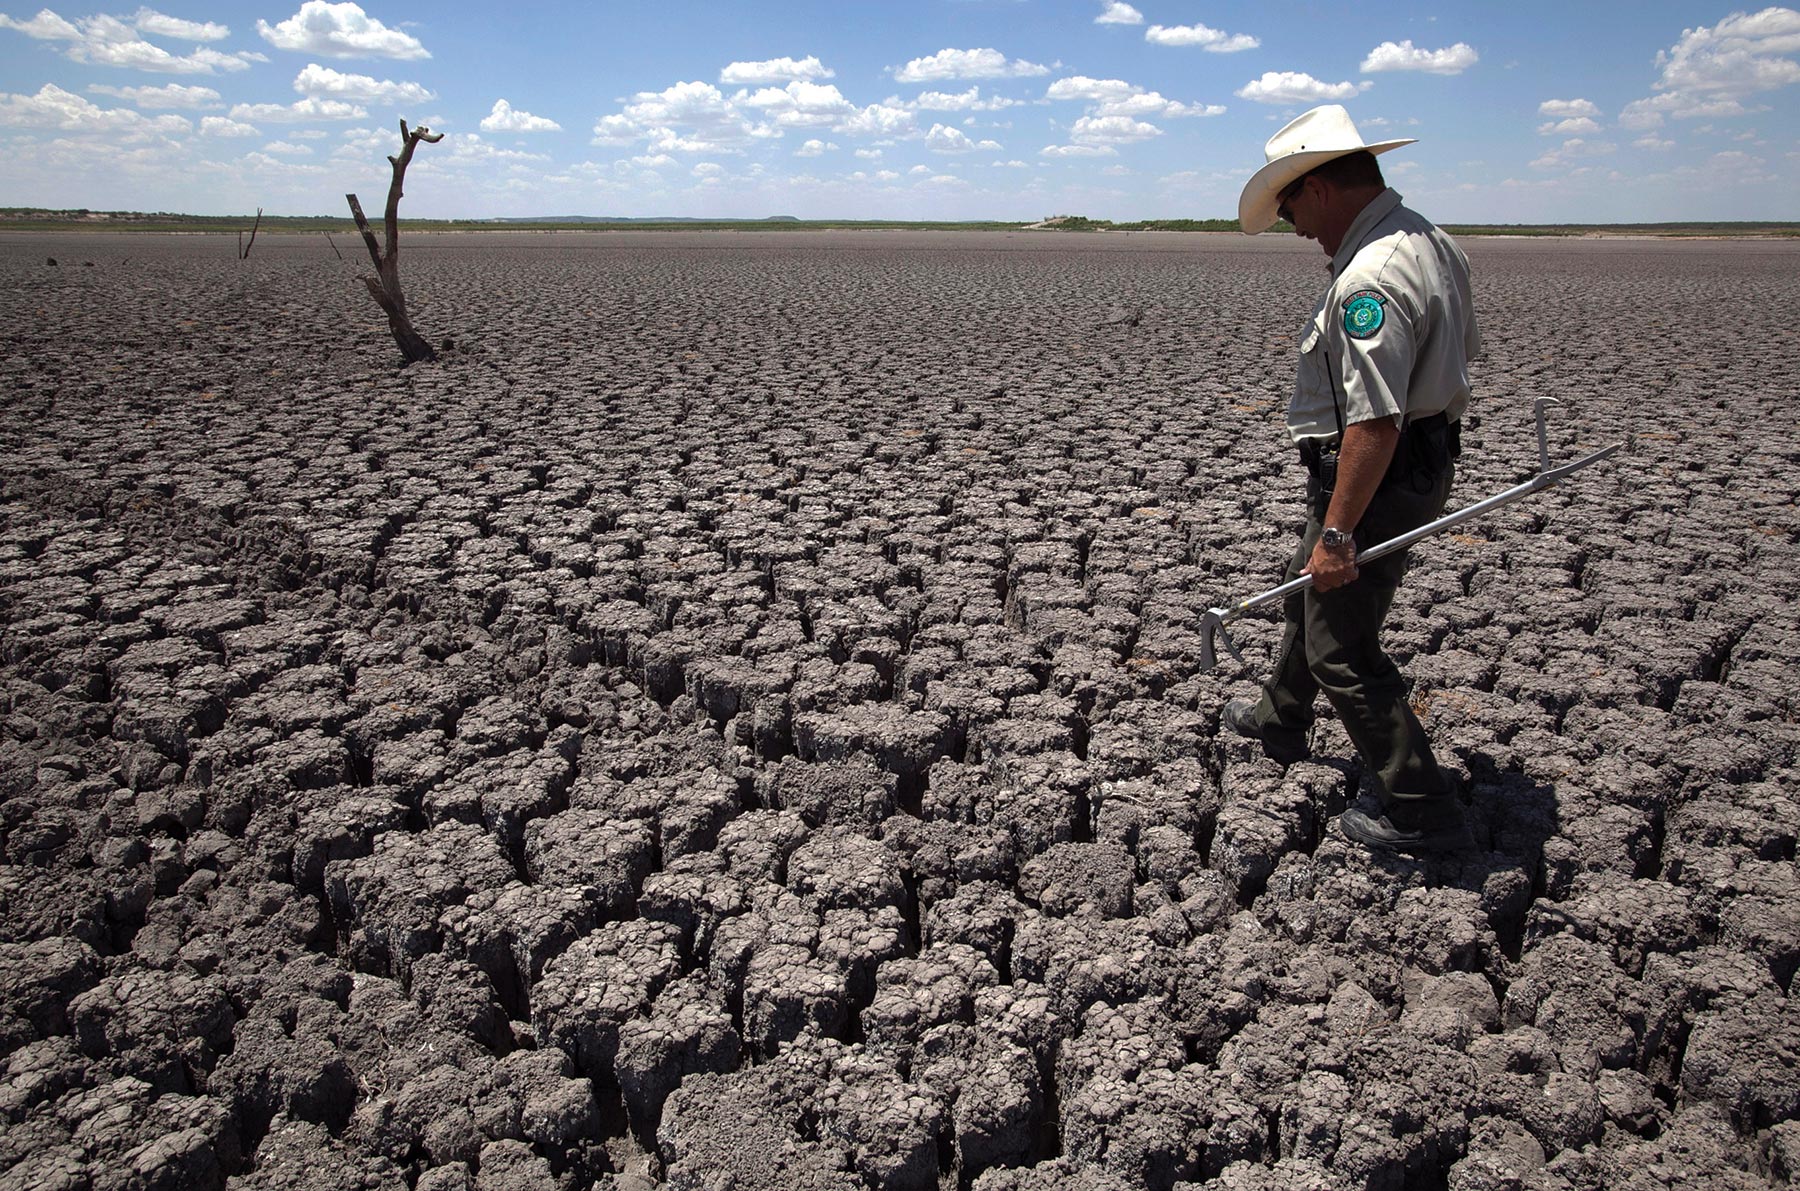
(1363, 315)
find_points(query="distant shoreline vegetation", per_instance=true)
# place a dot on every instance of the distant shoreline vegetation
(31, 219)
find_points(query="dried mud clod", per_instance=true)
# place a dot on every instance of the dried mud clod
(759, 740)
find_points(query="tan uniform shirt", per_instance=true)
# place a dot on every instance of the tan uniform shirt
(1395, 331)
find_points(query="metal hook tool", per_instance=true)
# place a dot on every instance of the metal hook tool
(1212, 624)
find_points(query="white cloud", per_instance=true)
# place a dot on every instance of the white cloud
(1654, 142)
(799, 104)
(1744, 52)
(287, 148)
(1711, 70)
(1078, 151)
(944, 139)
(1559, 109)
(966, 64)
(1573, 126)
(174, 95)
(1081, 87)
(962, 101)
(1403, 55)
(886, 175)
(878, 120)
(713, 123)
(1682, 105)
(1571, 151)
(815, 147)
(52, 107)
(1015, 164)
(109, 41)
(1211, 40)
(322, 82)
(775, 70)
(339, 31)
(1116, 12)
(653, 161)
(45, 26)
(299, 111)
(707, 169)
(505, 118)
(869, 154)
(158, 25)
(1111, 130)
(1294, 87)
(220, 126)
(1115, 97)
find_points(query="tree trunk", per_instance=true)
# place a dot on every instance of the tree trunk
(384, 287)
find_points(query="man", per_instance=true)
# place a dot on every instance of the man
(1382, 385)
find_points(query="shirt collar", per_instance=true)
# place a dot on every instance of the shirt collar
(1379, 208)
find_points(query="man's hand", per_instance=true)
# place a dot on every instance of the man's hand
(1362, 461)
(1332, 566)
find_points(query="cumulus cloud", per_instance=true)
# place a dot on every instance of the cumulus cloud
(655, 116)
(1403, 55)
(311, 108)
(775, 70)
(505, 118)
(322, 82)
(944, 139)
(1681, 105)
(1571, 151)
(1653, 142)
(1743, 52)
(1115, 97)
(174, 95)
(962, 101)
(1711, 70)
(814, 148)
(799, 104)
(1294, 87)
(287, 148)
(45, 26)
(64, 111)
(221, 126)
(158, 25)
(110, 41)
(878, 120)
(340, 31)
(1573, 126)
(1211, 40)
(966, 64)
(1116, 12)
(1560, 109)
(1111, 130)
(1078, 151)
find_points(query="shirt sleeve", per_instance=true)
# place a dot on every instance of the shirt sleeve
(1371, 340)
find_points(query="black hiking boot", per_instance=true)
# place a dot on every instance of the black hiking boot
(1281, 747)
(1414, 826)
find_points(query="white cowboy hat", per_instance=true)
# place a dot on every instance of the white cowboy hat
(1308, 141)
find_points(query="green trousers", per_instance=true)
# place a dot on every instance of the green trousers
(1331, 642)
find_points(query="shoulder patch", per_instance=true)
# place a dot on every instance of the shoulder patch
(1363, 314)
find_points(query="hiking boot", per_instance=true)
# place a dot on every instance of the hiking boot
(1282, 747)
(1427, 825)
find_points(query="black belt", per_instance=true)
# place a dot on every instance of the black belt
(1435, 429)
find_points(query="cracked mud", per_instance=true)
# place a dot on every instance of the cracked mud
(734, 722)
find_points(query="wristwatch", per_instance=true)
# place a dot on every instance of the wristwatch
(1335, 539)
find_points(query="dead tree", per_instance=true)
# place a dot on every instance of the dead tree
(243, 248)
(385, 285)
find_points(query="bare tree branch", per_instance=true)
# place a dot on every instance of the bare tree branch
(385, 286)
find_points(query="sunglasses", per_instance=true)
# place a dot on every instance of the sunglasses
(1287, 196)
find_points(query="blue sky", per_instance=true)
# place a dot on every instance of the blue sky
(936, 109)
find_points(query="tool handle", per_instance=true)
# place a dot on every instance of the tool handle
(1536, 483)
